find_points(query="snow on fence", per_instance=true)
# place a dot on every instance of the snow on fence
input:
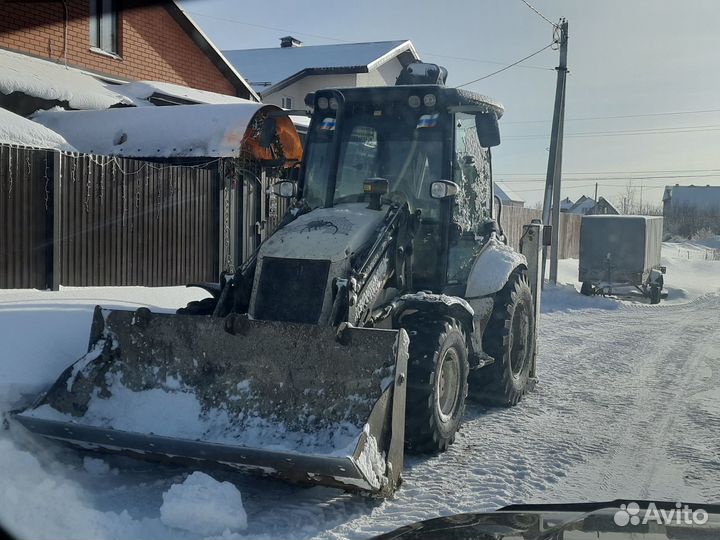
(513, 218)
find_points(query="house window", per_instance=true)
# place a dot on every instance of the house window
(286, 103)
(104, 27)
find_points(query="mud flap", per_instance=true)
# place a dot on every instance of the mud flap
(304, 402)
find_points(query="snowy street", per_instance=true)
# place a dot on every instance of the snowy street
(628, 406)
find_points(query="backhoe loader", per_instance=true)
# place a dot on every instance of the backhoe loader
(386, 297)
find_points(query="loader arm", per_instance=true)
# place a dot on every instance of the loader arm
(385, 261)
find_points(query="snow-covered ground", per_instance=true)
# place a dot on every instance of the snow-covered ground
(628, 405)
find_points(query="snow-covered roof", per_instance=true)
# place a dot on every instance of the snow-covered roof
(182, 131)
(55, 82)
(267, 69)
(583, 205)
(506, 194)
(15, 129)
(140, 91)
(704, 197)
(566, 204)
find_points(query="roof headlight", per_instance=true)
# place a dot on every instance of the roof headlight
(322, 102)
(429, 100)
(414, 101)
(333, 104)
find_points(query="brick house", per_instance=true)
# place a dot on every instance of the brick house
(157, 42)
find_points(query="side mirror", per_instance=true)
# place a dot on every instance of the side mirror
(442, 189)
(284, 188)
(487, 128)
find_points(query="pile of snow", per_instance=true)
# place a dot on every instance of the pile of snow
(44, 332)
(203, 506)
(54, 82)
(16, 130)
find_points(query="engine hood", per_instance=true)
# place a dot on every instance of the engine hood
(325, 233)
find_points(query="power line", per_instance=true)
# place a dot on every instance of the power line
(508, 66)
(478, 61)
(643, 115)
(610, 178)
(538, 13)
(595, 173)
(622, 133)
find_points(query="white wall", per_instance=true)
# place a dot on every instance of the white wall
(384, 75)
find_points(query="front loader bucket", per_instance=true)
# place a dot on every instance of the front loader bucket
(304, 402)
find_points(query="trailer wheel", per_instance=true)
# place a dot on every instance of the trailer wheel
(655, 292)
(587, 288)
(437, 384)
(510, 339)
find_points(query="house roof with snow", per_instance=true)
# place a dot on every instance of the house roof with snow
(701, 197)
(566, 204)
(506, 195)
(19, 131)
(582, 206)
(271, 69)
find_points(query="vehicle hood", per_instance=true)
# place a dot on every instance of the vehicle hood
(550, 521)
(325, 233)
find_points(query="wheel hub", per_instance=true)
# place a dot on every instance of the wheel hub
(448, 384)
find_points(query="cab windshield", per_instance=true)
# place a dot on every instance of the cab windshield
(405, 149)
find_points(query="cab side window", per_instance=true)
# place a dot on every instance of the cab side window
(471, 171)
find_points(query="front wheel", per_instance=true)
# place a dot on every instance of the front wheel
(655, 294)
(587, 289)
(510, 339)
(437, 384)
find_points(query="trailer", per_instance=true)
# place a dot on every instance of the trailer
(620, 251)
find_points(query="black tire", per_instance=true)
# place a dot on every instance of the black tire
(206, 306)
(655, 293)
(510, 339)
(587, 289)
(437, 384)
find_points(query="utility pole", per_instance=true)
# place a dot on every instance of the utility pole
(596, 186)
(554, 170)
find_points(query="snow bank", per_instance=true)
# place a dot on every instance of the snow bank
(44, 332)
(54, 82)
(203, 506)
(14, 129)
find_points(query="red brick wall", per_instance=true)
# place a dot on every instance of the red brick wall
(153, 46)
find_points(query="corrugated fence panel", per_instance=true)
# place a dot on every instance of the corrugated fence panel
(127, 222)
(25, 217)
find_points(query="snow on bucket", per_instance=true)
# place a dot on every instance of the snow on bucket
(304, 402)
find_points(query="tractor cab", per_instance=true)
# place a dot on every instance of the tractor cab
(423, 145)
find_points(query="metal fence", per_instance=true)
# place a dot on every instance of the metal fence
(81, 220)
(128, 222)
(25, 217)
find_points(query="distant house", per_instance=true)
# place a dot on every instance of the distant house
(683, 198)
(566, 204)
(75, 54)
(507, 196)
(284, 75)
(587, 206)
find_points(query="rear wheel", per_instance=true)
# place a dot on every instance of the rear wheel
(437, 384)
(586, 289)
(510, 339)
(655, 292)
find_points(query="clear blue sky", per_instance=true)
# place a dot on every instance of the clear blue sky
(626, 57)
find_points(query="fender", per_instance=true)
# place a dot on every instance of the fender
(492, 269)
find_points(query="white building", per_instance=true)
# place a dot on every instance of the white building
(284, 75)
